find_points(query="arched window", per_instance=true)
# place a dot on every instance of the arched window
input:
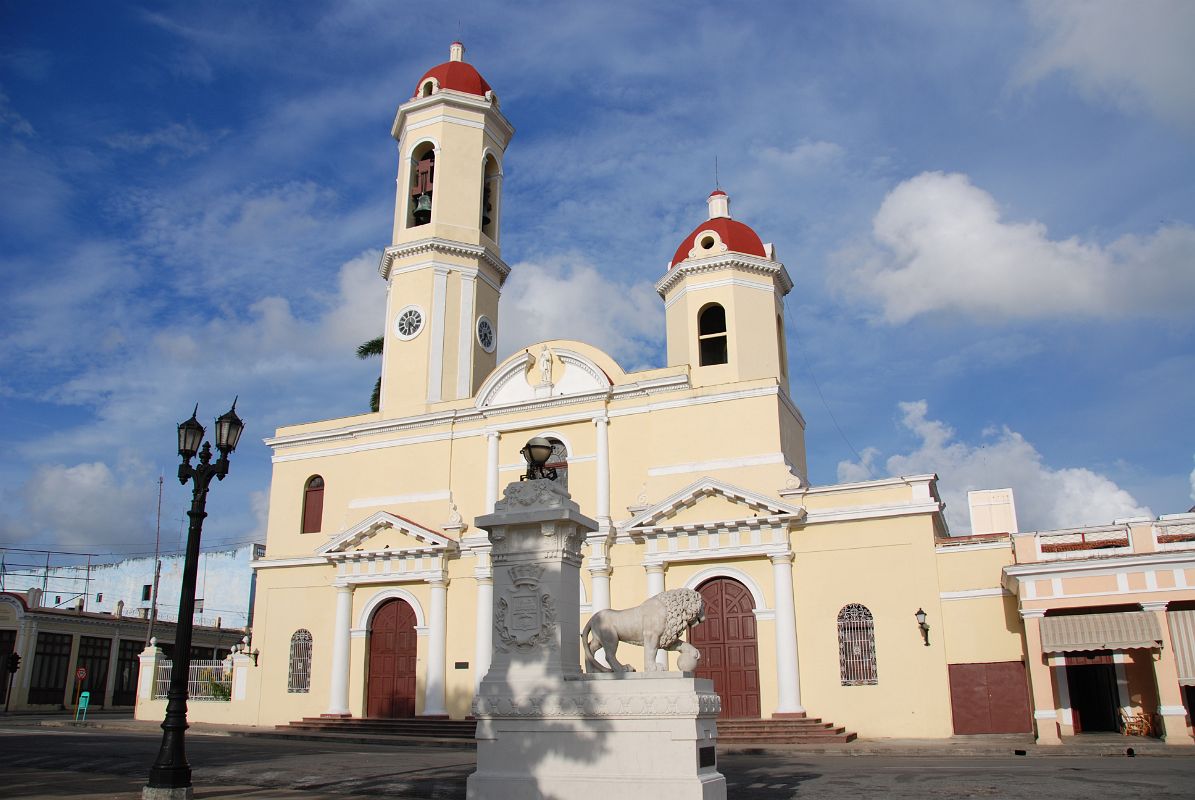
(313, 505)
(857, 646)
(300, 663)
(711, 335)
(491, 182)
(423, 178)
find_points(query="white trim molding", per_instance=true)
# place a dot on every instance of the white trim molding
(394, 593)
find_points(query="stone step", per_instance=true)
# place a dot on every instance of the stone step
(793, 730)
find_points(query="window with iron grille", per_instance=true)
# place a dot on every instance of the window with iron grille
(857, 646)
(300, 662)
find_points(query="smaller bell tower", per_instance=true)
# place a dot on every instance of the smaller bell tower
(444, 266)
(724, 303)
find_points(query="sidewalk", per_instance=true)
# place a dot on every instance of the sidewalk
(995, 746)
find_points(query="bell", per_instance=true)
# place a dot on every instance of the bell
(423, 208)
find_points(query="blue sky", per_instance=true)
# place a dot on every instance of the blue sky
(987, 209)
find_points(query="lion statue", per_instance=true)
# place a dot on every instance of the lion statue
(657, 624)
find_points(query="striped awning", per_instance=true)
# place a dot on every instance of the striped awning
(1118, 631)
(1182, 632)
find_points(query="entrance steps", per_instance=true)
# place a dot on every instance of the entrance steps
(418, 728)
(787, 730)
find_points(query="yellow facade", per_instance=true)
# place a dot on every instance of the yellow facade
(695, 472)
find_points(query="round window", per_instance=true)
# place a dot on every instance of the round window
(408, 323)
(485, 334)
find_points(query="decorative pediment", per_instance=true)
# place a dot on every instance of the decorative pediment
(711, 503)
(526, 378)
(386, 531)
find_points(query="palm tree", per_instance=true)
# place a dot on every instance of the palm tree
(373, 348)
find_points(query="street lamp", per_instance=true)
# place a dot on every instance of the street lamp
(536, 453)
(170, 776)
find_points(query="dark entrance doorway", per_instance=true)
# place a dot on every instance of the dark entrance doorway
(1094, 698)
(726, 640)
(392, 655)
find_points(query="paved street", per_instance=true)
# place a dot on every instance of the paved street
(57, 763)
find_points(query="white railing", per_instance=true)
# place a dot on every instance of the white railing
(1084, 543)
(1174, 537)
(208, 680)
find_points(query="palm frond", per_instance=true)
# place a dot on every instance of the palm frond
(371, 348)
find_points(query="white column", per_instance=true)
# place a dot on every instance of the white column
(655, 585)
(433, 695)
(491, 470)
(435, 358)
(484, 574)
(655, 579)
(603, 471)
(1065, 714)
(338, 703)
(600, 577)
(464, 352)
(788, 678)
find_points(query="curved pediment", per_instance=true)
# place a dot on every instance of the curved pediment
(543, 371)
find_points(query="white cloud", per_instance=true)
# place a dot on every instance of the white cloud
(805, 156)
(572, 300)
(1193, 484)
(1046, 498)
(1135, 56)
(939, 245)
(87, 505)
(185, 140)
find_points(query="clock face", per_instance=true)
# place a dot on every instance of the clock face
(485, 334)
(409, 322)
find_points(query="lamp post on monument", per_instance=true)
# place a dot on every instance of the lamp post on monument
(170, 775)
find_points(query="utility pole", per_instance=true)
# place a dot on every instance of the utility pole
(153, 603)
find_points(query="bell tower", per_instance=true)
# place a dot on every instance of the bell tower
(444, 267)
(724, 303)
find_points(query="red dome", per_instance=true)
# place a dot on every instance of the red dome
(458, 75)
(737, 237)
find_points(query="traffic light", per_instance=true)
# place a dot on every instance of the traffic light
(14, 662)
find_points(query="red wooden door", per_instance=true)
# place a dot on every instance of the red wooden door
(726, 640)
(392, 648)
(989, 698)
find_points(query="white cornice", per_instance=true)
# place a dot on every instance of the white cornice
(879, 483)
(1038, 570)
(378, 427)
(453, 98)
(760, 266)
(299, 561)
(445, 246)
(872, 512)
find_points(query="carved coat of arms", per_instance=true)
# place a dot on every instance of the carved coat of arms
(526, 616)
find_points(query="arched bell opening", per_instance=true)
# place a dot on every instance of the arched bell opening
(491, 183)
(423, 176)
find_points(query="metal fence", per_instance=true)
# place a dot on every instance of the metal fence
(209, 680)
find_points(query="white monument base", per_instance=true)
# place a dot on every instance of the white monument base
(617, 736)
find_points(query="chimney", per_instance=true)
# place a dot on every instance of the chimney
(119, 612)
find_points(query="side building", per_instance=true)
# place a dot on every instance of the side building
(55, 643)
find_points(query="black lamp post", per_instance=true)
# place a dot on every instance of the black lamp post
(536, 453)
(170, 776)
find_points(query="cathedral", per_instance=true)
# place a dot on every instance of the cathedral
(847, 602)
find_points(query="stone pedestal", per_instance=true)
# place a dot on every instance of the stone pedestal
(545, 730)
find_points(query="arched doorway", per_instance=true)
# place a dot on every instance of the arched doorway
(726, 640)
(392, 653)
